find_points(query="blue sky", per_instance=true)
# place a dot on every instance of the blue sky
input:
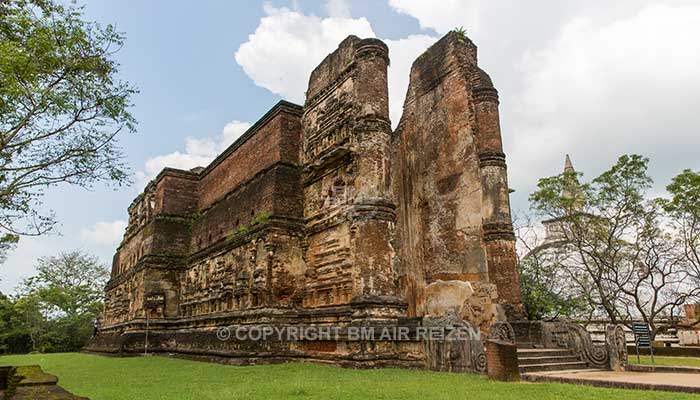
(591, 78)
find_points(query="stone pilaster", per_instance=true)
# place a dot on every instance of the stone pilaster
(499, 238)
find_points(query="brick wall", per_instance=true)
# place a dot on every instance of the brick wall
(176, 193)
(236, 211)
(257, 177)
(502, 361)
(275, 138)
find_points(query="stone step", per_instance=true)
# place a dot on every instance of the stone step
(552, 367)
(547, 360)
(544, 352)
(526, 345)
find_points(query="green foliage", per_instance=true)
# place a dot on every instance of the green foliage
(684, 210)
(7, 242)
(624, 186)
(685, 192)
(71, 283)
(147, 378)
(14, 337)
(545, 295)
(61, 108)
(461, 34)
(235, 234)
(617, 248)
(55, 308)
(551, 198)
(195, 217)
(260, 218)
(175, 219)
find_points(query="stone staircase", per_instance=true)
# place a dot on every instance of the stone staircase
(545, 349)
(547, 360)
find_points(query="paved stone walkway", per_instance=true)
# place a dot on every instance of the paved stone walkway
(667, 381)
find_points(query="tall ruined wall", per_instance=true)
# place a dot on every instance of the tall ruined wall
(260, 269)
(347, 198)
(257, 177)
(272, 140)
(320, 216)
(246, 239)
(156, 243)
(195, 238)
(449, 177)
(155, 225)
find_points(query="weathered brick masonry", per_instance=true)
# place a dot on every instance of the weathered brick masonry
(322, 216)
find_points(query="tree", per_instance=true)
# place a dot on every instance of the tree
(61, 108)
(14, 337)
(69, 284)
(30, 321)
(684, 210)
(617, 248)
(545, 289)
(59, 303)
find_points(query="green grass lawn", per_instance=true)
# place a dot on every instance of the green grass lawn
(145, 378)
(667, 361)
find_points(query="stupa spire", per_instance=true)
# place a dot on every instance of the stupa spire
(568, 166)
(572, 187)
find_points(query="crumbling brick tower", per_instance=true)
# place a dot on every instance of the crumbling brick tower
(321, 216)
(449, 177)
(349, 208)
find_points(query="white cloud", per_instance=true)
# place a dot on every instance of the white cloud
(588, 78)
(232, 131)
(198, 152)
(604, 88)
(338, 8)
(21, 262)
(300, 42)
(441, 17)
(402, 53)
(104, 233)
(100, 240)
(287, 45)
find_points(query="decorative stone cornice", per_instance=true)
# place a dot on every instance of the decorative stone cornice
(281, 107)
(484, 94)
(373, 123)
(381, 209)
(492, 159)
(370, 48)
(498, 231)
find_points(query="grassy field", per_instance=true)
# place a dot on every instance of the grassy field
(146, 378)
(667, 361)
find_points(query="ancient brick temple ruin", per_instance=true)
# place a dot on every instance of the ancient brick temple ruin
(321, 215)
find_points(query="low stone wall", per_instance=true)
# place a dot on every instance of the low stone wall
(5, 374)
(689, 338)
(31, 383)
(207, 345)
(363, 343)
(502, 353)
